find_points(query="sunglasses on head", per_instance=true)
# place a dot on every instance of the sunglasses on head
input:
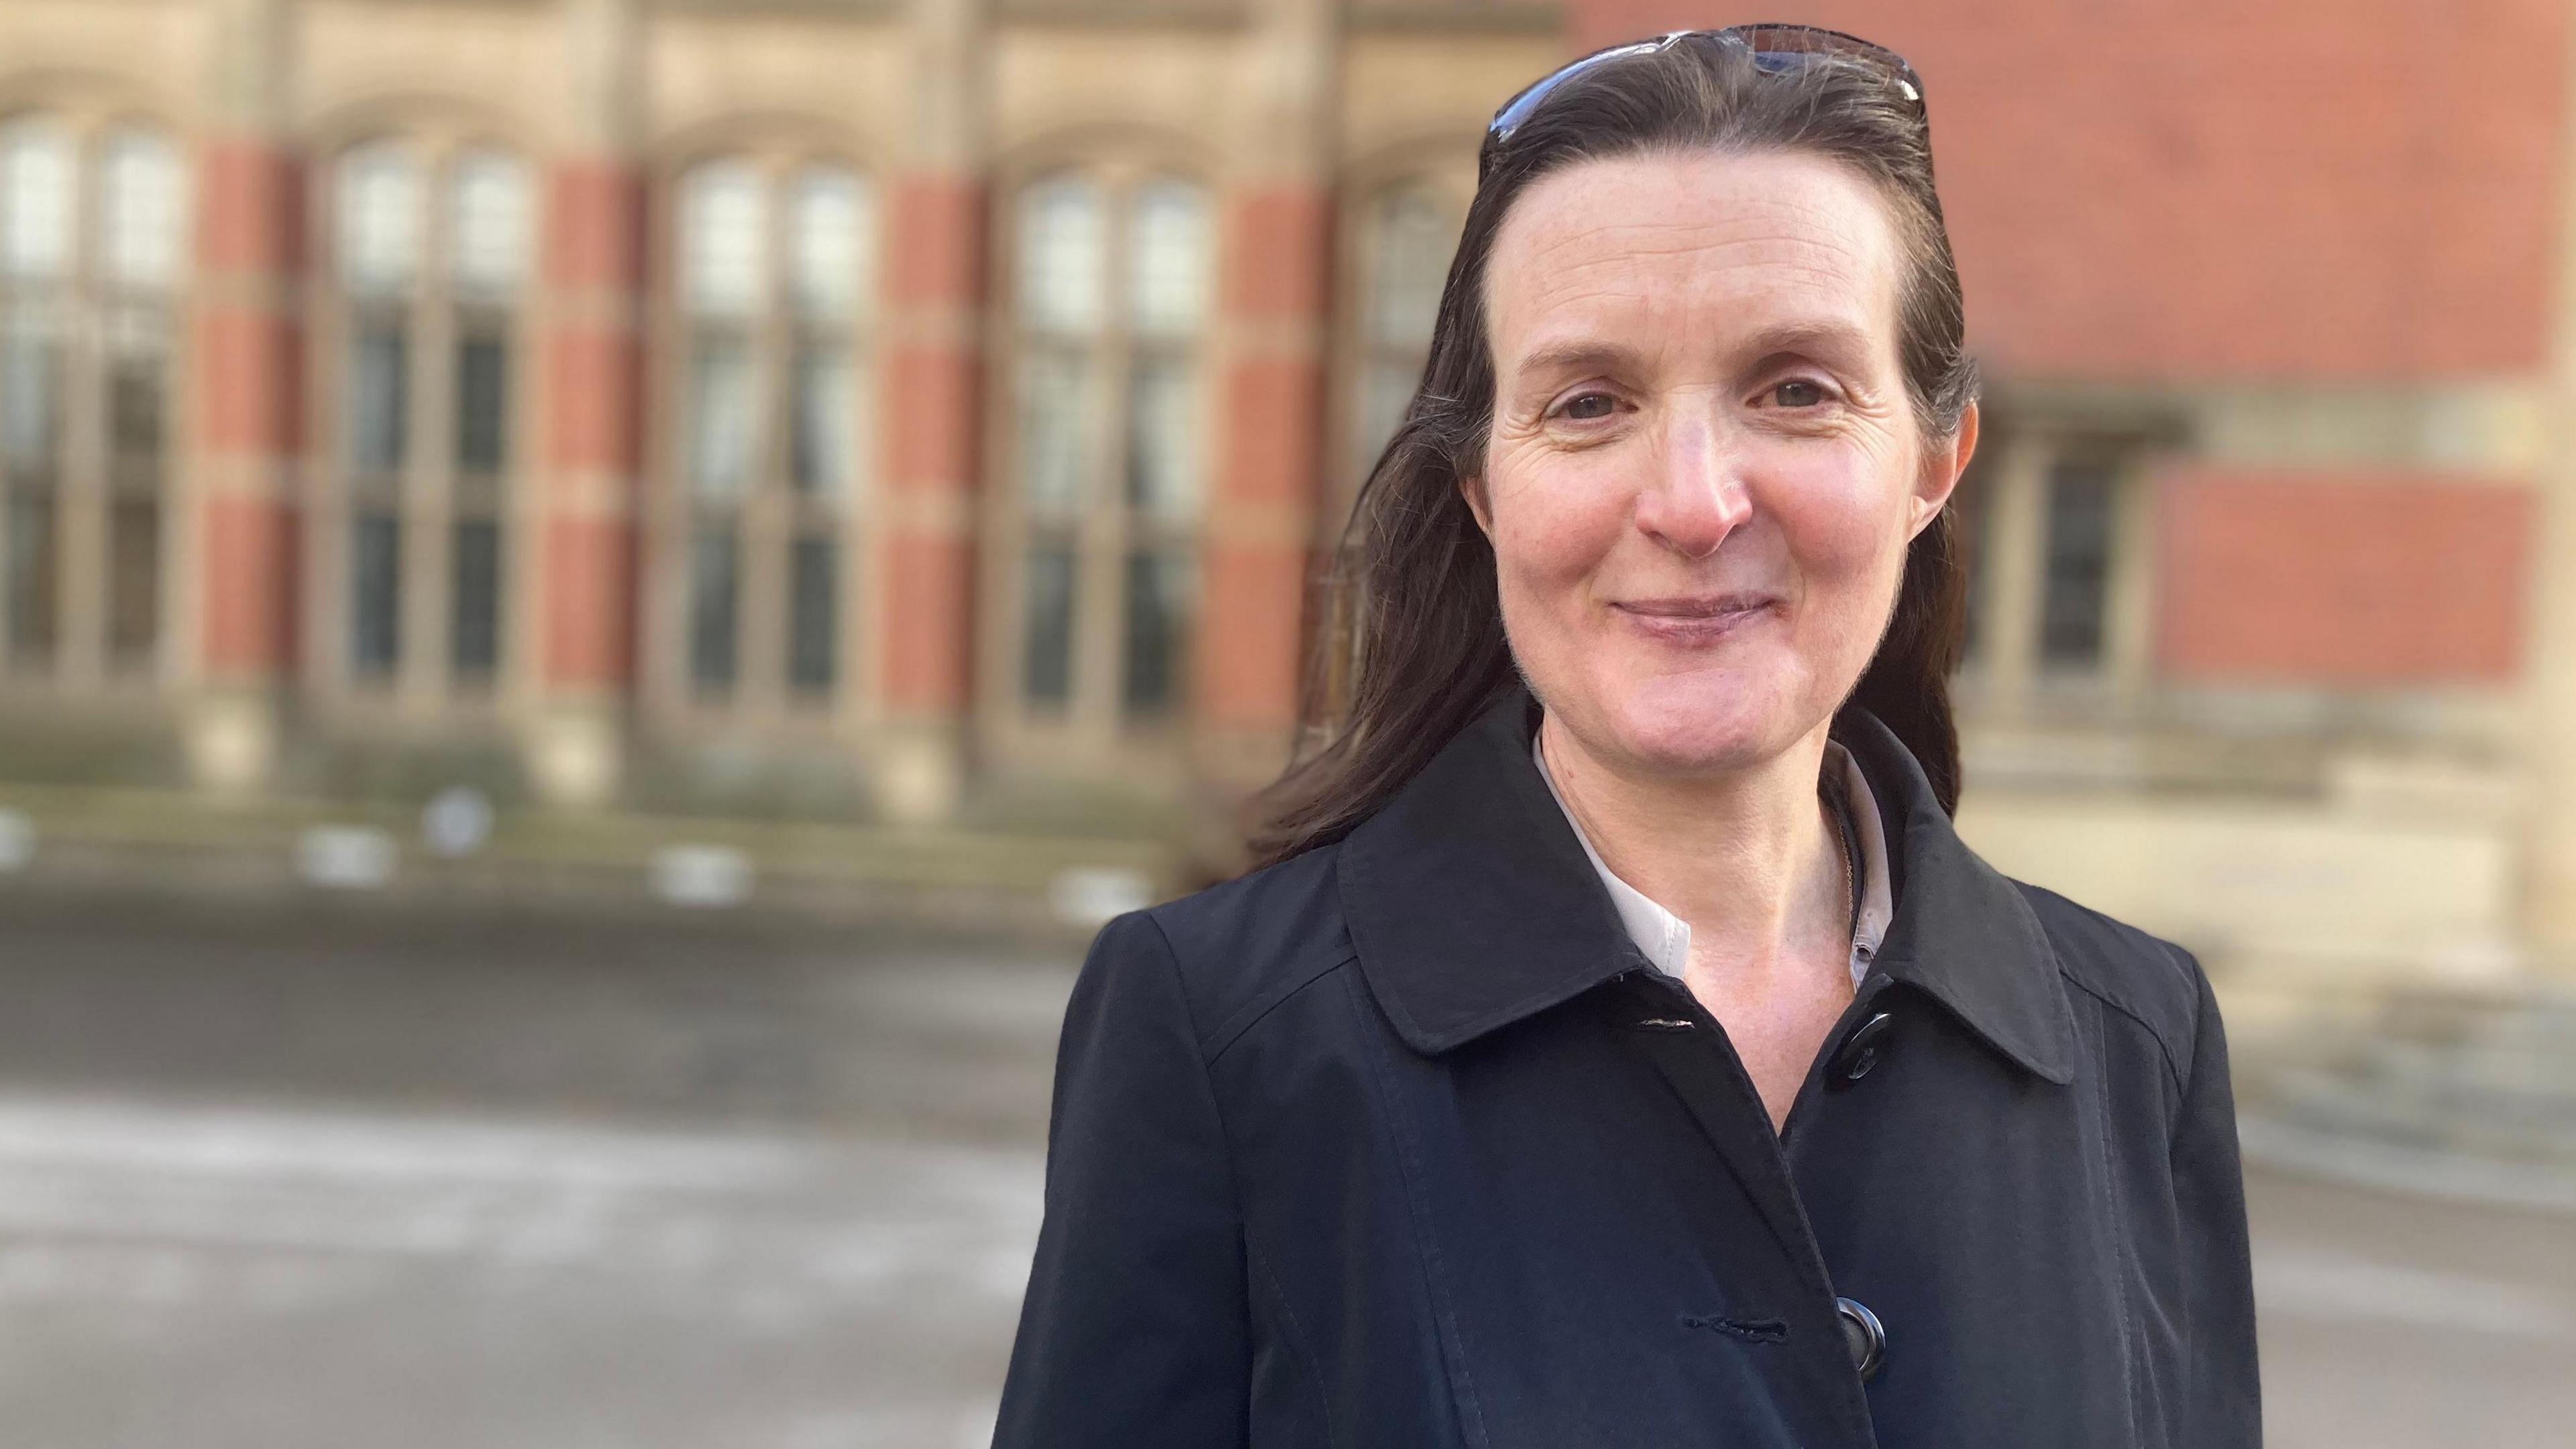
(1775, 48)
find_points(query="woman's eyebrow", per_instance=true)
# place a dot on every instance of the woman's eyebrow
(1581, 355)
(1825, 337)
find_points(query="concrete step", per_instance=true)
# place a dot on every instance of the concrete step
(2489, 1075)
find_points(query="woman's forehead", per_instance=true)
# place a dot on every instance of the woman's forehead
(1699, 239)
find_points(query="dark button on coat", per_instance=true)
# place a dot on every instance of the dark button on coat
(1400, 1143)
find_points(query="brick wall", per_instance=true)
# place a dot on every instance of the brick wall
(2339, 578)
(2313, 189)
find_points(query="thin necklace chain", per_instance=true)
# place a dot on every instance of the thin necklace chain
(1844, 833)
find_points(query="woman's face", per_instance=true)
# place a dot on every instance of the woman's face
(1704, 469)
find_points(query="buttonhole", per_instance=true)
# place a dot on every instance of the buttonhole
(1750, 1330)
(1665, 1023)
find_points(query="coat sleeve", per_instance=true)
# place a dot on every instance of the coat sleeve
(2222, 1399)
(1135, 1329)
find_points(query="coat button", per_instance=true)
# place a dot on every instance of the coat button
(1860, 1051)
(1864, 1335)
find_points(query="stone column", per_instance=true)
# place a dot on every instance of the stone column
(238, 490)
(590, 456)
(2013, 570)
(2548, 905)
(932, 366)
(1274, 303)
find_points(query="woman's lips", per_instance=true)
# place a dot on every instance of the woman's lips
(1697, 619)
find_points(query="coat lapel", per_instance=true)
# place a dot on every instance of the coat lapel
(1469, 899)
(1473, 906)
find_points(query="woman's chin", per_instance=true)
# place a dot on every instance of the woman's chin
(1688, 726)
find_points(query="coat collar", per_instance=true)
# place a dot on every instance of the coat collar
(1472, 905)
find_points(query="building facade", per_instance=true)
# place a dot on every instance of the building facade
(621, 391)
(934, 410)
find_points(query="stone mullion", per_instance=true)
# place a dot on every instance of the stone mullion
(428, 476)
(80, 492)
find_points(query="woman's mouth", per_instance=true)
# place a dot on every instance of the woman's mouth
(1695, 618)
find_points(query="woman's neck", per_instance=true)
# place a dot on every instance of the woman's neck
(1746, 859)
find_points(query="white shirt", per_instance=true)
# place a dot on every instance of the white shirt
(1665, 937)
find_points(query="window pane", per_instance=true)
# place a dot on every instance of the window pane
(380, 216)
(490, 217)
(375, 593)
(140, 187)
(1055, 392)
(31, 395)
(33, 555)
(1162, 439)
(138, 396)
(1158, 612)
(1386, 390)
(35, 200)
(474, 600)
(1167, 280)
(2079, 564)
(724, 226)
(715, 591)
(830, 243)
(723, 432)
(133, 580)
(826, 431)
(482, 404)
(813, 612)
(1064, 250)
(1410, 239)
(1046, 665)
(376, 412)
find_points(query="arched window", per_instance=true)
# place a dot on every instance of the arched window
(776, 275)
(1409, 234)
(38, 208)
(432, 255)
(142, 230)
(1100, 520)
(491, 226)
(92, 236)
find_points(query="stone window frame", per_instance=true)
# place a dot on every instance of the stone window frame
(426, 493)
(1356, 351)
(1094, 731)
(1447, 172)
(86, 490)
(2005, 673)
(770, 517)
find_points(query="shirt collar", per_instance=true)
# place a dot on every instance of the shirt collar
(1665, 938)
(1472, 902)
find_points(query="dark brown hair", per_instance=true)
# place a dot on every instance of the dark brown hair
(1412, 643)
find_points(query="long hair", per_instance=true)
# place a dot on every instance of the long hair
(1411, 643)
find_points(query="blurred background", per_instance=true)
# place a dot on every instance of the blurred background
(596, 596)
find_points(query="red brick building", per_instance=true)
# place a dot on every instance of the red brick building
(929, 410)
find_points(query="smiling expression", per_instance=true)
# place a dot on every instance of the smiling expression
(1704, 469)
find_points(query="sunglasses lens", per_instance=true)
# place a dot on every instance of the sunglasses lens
(1776, 49)
(1519, 107)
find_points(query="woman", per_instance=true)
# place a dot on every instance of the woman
(1619, 1047)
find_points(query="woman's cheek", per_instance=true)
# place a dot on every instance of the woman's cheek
(1553, 534)
(1839, 520)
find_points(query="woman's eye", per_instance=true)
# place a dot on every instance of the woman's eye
(1798, 392)
(1589, 406)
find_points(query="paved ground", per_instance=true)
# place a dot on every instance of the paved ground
(358, 1177)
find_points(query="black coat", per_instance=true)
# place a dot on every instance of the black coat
(1399, 1143)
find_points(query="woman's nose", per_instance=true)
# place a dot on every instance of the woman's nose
(1698, 496)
